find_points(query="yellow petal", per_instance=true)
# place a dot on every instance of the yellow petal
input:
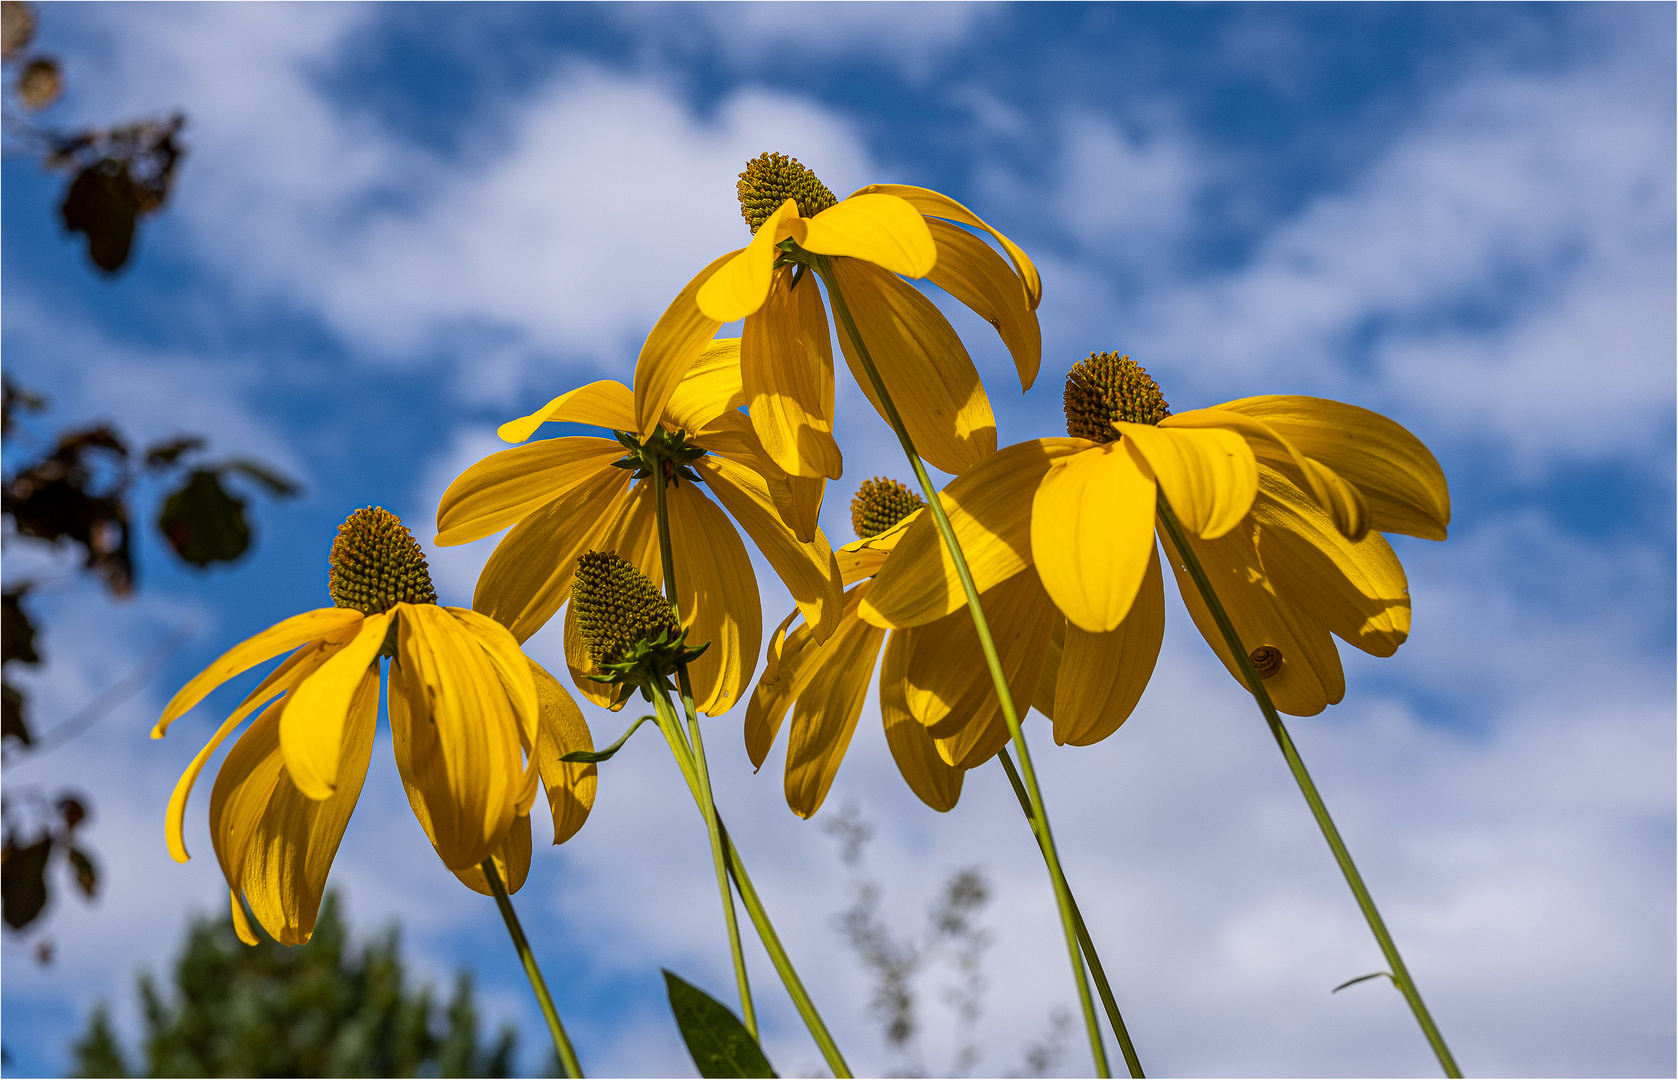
(1340, 499)
(710, 388)
(1310, 677)
(717, 594)
(882, 229)
(509, 486)
(933, 780)
(456, 735)
(863, 558)
(1044, 701)
(797, 499)
(1091, 534)
(570, 784)
(276, 844)
(786, 370)
(933, 204)
(677, 339)
(1403, 484)
(1357, 590)
(826, 714)
(509, 662)
(512, 860)
(1102, 676)
(241, 924)
(279, 638)
(809, 571)
(785, 676)
(606, 403)
(528, 575)
(296, 667)
(312, 729)
(989, 508)
(1209, 475)
(923, 363)
(738, 288)
(974, 744)
(633, 537)
(976, 275)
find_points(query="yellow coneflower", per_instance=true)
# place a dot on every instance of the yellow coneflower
(570, 495)
(474, 724)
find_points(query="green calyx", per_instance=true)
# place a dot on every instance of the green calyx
(376, 564)
(667, 450)
(881, 503)
(629, 629)
(771, 179)
(1105, 388)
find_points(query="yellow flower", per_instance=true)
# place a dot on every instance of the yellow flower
(1284, 499)
(568, 496)
(464, 704)
(879, 232)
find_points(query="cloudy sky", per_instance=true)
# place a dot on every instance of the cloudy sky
(401, 225)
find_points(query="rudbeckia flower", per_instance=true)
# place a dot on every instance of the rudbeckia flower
(1284, 499)
(567, 496)
(473, 721)
(879, 232)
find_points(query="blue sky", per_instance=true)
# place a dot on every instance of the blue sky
(402, 225)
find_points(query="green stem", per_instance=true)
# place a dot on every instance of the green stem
(748, 897)
(1005, 697)
(707, 805)
(1400, 974)
(562, 1045)
(1108, 1002)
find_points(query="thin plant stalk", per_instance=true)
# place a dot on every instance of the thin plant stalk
(1108, 1002)
(671, 728)
(707, 805)
(1399, 973)
(1005, 698)
(562, 1044)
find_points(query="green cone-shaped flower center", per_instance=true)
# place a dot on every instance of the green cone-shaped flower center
(772, 179)
(376, 564)
(881, 503)
(1106, 388)
(618, 608)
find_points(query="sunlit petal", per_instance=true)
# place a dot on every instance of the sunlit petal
(506, 487)
(606, 403)
(1209, 475)
(311, 732)
(881, 229)
(676, 341)
(710, 388)
(786, 370)
(934, 204)
(1091, 533)
(739, 286)
(969, 270)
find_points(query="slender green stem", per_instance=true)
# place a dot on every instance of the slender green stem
(707, 804)
(562, 1044)
(1400, 974)
(1004, 696)
(1108, 1002)
(748, 897)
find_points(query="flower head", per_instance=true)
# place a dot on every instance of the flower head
(474, 724)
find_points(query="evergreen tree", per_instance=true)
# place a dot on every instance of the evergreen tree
(321, 1009)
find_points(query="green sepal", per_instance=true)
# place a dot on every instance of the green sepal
(718, 1042)
(587, 756)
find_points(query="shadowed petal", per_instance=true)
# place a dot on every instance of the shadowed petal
(933, 780)
(826, 714)
(786, 370)
(710, 388)
(717, 593)
(1101, 676)
(570, 784)
(976, 275)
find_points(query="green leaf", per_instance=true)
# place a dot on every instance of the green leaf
(23, 882)
(203, 523)
(718, 1042)
(1364, 978)
(586, 756)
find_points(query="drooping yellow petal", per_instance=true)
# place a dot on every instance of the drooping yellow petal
(241, 924)
(633, 537)
(933, 780)
(1091, 533)
(1209, 475)
(934, 204)
(717, 593)
(276, 844)
(975, 744)
(1310, 677)
(881, 229)
(797, 499)
(507, 487)
(976, 275)
(1357, 590)
(785, 676)
(510, 663)
(606, 403)
(989, 508)
(739, 286)
(923, 363)
(1102, 676)
(863, 558)
(676, 341)
(528, 575)
(786, 370)
(1044, 701)
(826, 714)
(295, 668)
(279, 638)
(570, 784)
(311, 732)
(710, 388)
(455, 733)
(809, 571)
(1397, 475)
(512, 860)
